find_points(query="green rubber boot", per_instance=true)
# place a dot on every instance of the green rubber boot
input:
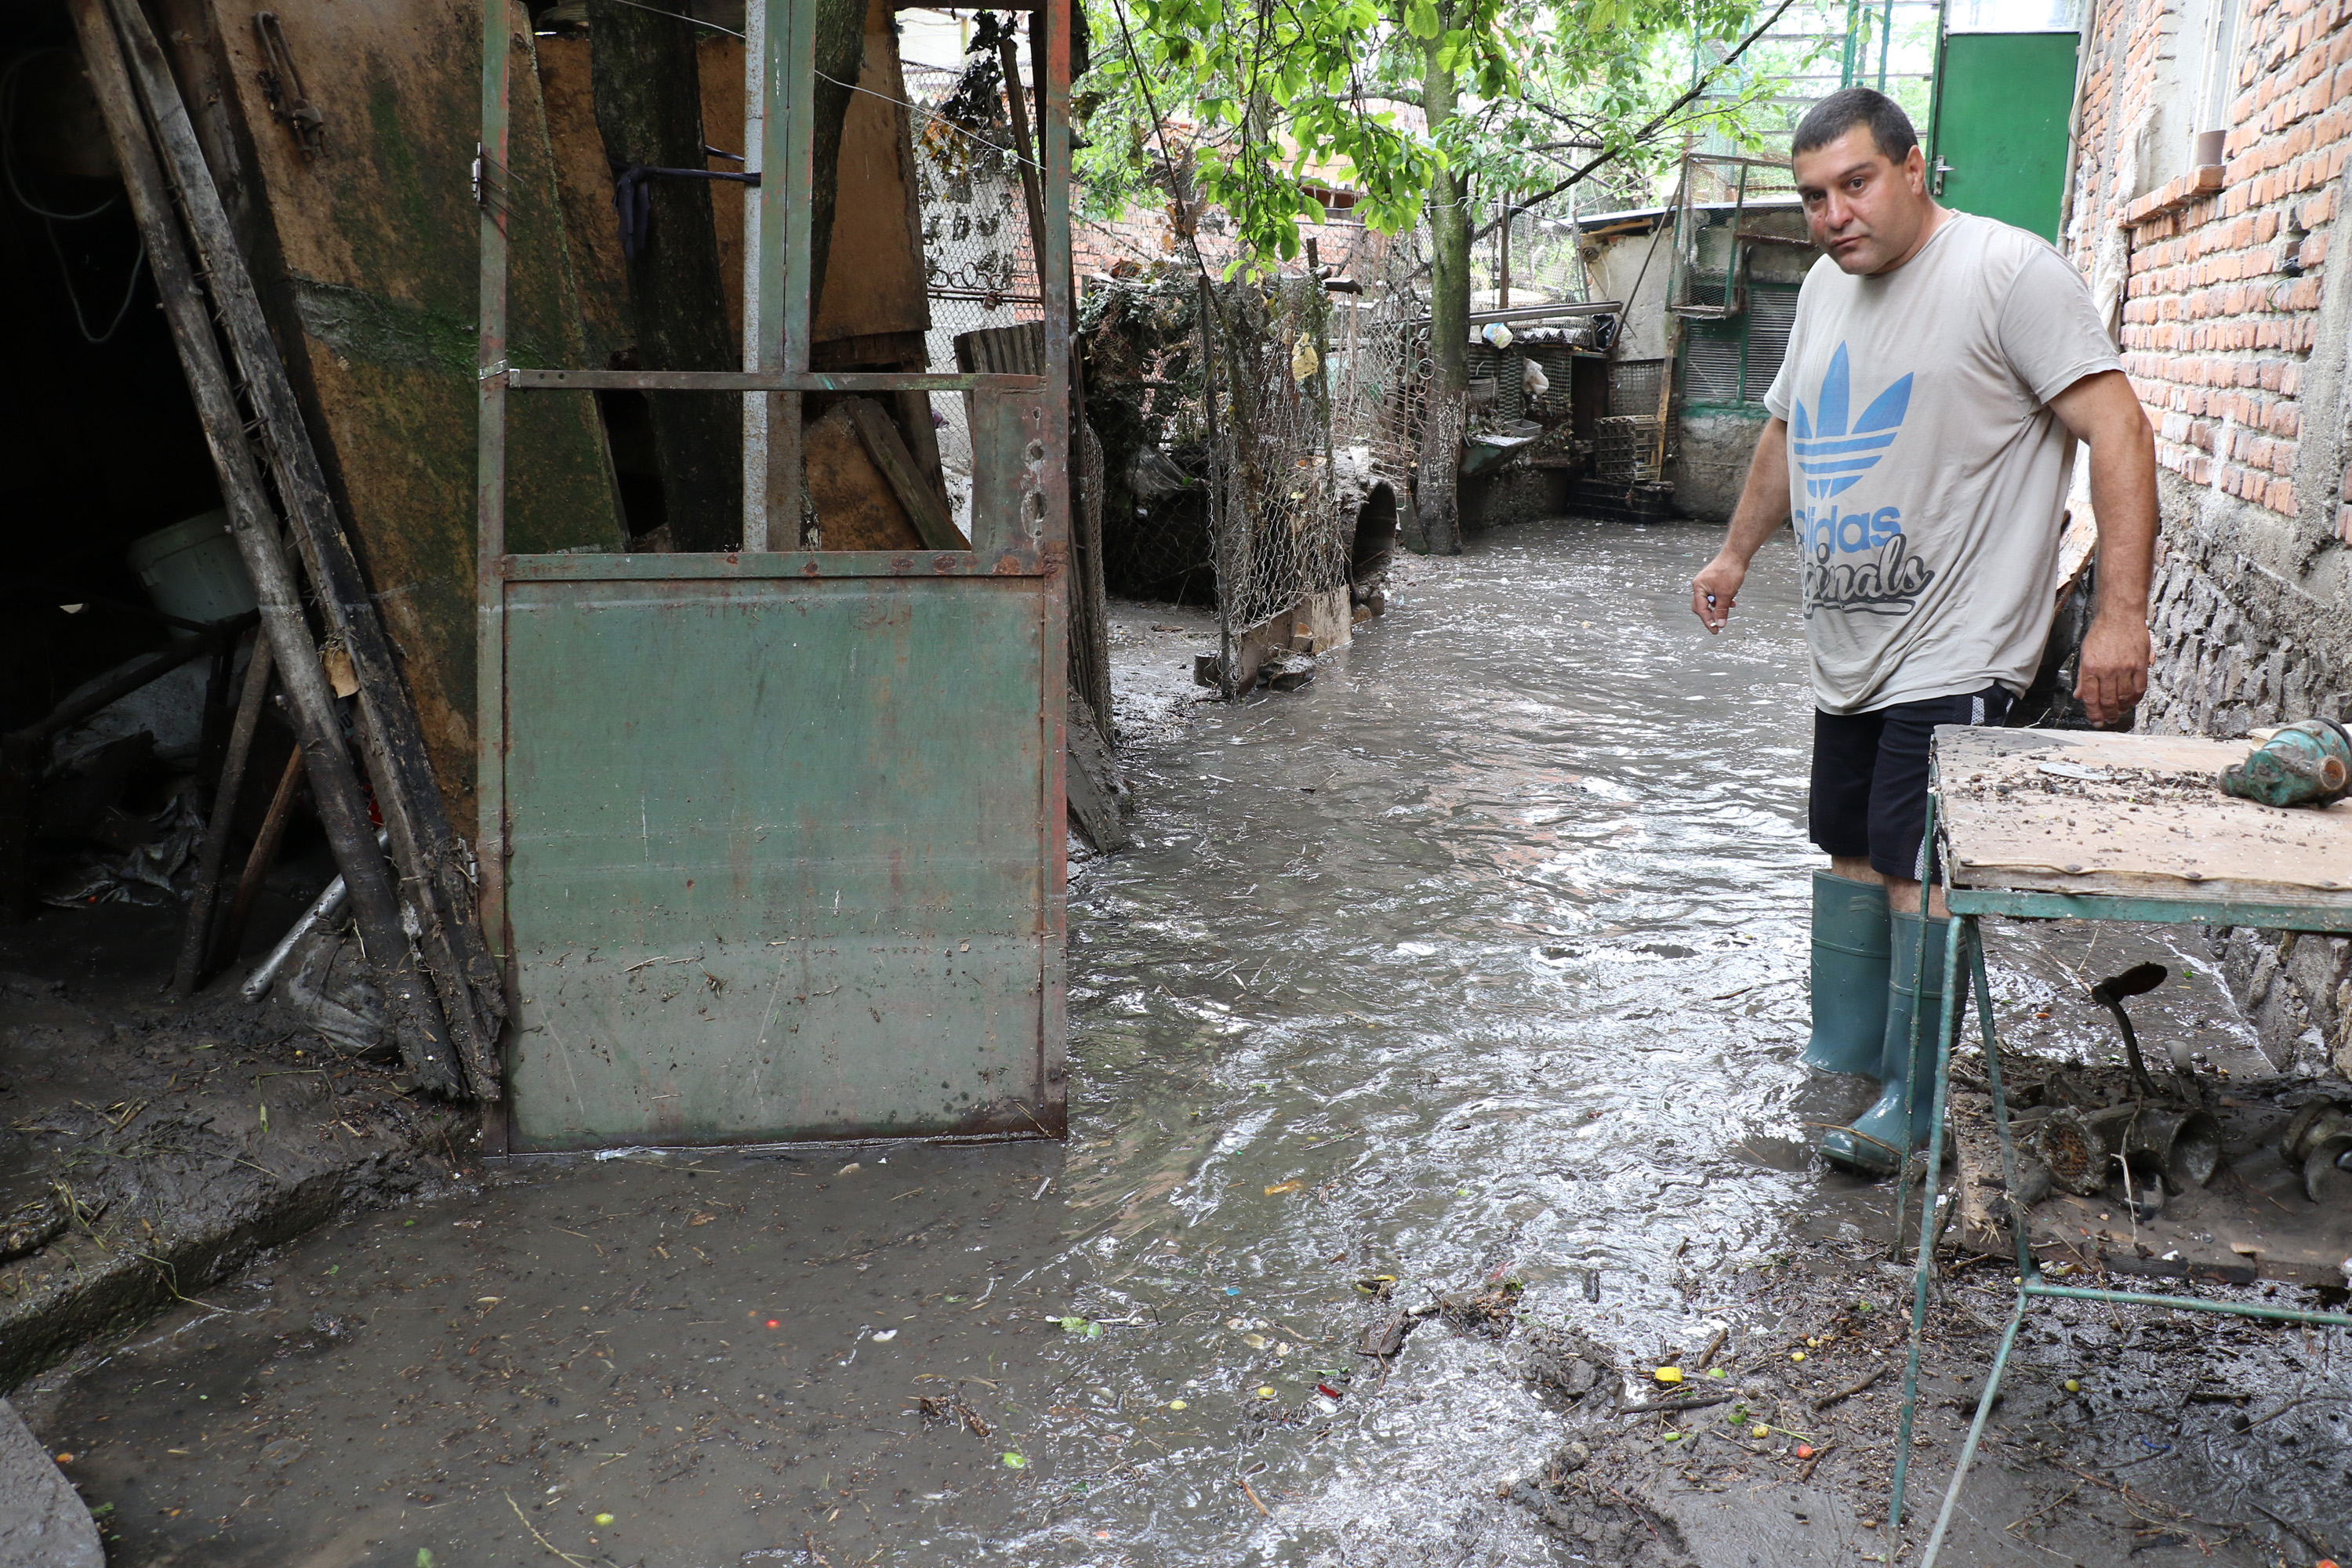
(1878, 1142)
(1851, 948)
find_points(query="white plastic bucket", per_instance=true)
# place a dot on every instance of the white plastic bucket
(192, 569)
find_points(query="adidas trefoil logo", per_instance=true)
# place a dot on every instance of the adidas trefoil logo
(1833, 455)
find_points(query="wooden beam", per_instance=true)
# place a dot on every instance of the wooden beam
(888, 449)
(195, 937)
(335, 784)
(433, 864)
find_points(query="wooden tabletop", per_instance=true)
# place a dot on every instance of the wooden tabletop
(2139, 815)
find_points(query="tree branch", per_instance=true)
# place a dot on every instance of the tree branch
(1660, 119)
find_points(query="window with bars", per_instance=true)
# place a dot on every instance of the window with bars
(1729, 365)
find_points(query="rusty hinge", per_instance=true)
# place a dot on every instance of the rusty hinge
(281, 84)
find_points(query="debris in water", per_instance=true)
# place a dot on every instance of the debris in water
(1083, 1327)
(849, 1170)
(1280, 1187)
(1015, 1462)
(1669, 1374)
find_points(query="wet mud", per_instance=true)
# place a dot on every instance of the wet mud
(1434, 1082)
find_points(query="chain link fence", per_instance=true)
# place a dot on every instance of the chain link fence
(1256, 433)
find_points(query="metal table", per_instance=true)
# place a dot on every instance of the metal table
(2060, 824)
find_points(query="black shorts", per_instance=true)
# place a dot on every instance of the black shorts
(1870, 778)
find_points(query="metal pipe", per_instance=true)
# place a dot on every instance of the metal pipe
(1976, 1434)
(324, 908)
(2190, 1304)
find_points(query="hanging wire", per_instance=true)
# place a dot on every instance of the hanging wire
(10, 87)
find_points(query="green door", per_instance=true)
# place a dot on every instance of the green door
(1999, 145)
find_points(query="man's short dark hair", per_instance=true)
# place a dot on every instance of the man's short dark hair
(1841, 111)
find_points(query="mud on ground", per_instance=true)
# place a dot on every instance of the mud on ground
(148, 1150)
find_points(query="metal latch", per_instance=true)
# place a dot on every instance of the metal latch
(281, 84)
(1942, 169)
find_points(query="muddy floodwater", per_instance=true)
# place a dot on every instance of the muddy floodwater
(1480, 959)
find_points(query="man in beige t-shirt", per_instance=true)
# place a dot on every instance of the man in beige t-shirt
(1940, 371)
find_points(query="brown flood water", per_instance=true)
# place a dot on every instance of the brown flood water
(1481, 957)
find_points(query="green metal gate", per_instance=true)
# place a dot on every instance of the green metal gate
(2003, 103)
(774, 839)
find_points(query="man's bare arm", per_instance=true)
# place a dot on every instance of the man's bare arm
(1763, 507)
(2105, 413)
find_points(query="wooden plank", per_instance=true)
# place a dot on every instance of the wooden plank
(423, 1035)
(371, 261)
(916, 497)
(407, 795)
(2129, 815)
(857, 508)
(195, 937)
(873, 274)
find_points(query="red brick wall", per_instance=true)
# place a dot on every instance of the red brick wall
(2213, 330)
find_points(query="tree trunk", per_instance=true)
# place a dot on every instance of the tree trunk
(1449, 329)
(648, 95)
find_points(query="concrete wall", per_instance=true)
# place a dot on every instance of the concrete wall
(2231, 311)
(1710, 462)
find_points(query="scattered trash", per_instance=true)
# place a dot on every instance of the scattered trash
(1015, 1462)
(1328, 1392)
(1803, 1450)
(1082, 1327)
(886, 1335)
(1669, 1374)
(606, 1518)
(1265, 1392)
(1280, 1187)
(1176, 1404)
(849, 1170)
(327, 983)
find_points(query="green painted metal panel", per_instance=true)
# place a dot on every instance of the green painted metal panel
(2002, 104)
(784, 857)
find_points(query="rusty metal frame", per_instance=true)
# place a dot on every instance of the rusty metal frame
(1020, 526)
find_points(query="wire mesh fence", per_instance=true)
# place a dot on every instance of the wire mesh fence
(1245, 422)
(979, 260)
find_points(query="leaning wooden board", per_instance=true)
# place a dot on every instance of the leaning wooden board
(2129, 815)
(367, 252)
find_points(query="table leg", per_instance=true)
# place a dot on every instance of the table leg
(1946, 1026)
(1976, 1434)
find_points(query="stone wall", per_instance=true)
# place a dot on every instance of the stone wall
(2233, 328)
(1710, 462)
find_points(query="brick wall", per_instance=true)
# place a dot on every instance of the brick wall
(2232, 326)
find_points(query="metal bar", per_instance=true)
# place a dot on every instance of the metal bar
(2018, 1227)
(756, 404)
(2034, 1287)
(1976, 1435)
(798, 161)
(2038, 906)
(491, 530)
(775, 563)
(1540, 312)
(1946, 1026)
(537, 380)
(1054, 472)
